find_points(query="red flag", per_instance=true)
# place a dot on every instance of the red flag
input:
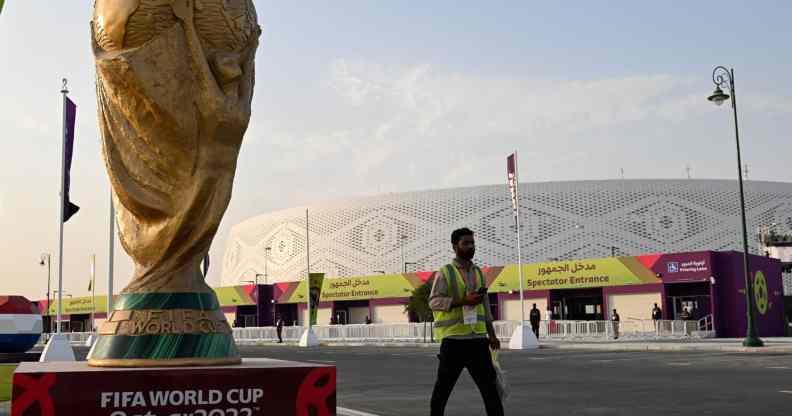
(511, 176)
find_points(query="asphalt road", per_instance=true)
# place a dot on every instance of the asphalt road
(397, 381)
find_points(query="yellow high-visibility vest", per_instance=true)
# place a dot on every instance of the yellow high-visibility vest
(452, 322)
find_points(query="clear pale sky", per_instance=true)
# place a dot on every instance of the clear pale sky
(365, 97)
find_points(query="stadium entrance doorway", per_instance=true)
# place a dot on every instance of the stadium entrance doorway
(351, 311)
(693, 297)
(577, 304)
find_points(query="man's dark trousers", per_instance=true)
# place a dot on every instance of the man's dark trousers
(535, 329)
(473, 354)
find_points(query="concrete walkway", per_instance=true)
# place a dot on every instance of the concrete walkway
(5, 410)
(772, 345)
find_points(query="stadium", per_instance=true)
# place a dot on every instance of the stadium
(673, 243)
(561, 221)
(588, 247)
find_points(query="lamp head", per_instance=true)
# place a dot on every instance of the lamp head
(718, 96)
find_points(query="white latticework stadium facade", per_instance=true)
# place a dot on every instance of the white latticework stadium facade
(561, 220)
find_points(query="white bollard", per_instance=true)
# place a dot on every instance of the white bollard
(523, 338)
(58, 349)
(308, 339)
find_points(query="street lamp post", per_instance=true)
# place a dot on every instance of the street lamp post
(58, 320)
(266, 264)
(48, 258)
(258, 301)
(723, 77)
(401, 247)
(409, 263)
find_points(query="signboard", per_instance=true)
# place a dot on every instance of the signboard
(682, 267)
(236, 295)
(616, 271)
(76, 306)
(227, 296)
(257, 387)
(315, 292)
(353, 288)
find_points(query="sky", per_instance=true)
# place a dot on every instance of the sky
(365, 97)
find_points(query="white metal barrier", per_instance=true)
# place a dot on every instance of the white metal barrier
(397, 332)
(75, 338)
(629, 328)
(422, 332)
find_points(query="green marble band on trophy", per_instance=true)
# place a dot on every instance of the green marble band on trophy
(151, 329)
(174, 89)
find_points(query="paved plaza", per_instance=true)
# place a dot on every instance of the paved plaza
(397, 381)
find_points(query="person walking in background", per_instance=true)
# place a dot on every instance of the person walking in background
(684, 315)
(657, 315)
(279, 329)
(615, 323)
(535, 317)
(463, 325)
(551, 325)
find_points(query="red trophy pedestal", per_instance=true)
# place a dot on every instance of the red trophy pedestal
(257, 387)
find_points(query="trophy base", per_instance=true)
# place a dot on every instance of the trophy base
(164, 350)
(165, 330)
(258, 386)
(174, 362)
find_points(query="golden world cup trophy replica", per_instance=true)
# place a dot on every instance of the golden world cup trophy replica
(174, 88)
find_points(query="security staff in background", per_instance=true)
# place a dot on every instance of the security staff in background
(535, 317)
(657, 316)
(463, 324)
(279, 329)
(615, 318)
(657, 313)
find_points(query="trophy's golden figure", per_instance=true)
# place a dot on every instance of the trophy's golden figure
(174, 88)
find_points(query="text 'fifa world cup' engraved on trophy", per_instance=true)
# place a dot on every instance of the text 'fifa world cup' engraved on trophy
(174, 89)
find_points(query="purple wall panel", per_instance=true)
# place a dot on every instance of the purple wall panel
(650, 288)
(730, 286)
(684, 267)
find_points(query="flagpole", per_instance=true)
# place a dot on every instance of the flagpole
(111, 254)
(58, 347)
(308, 267)
(64, 92)
(308, 338)
(519, 245)
(522, 338)
(93, 292)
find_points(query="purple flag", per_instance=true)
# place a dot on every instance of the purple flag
(69, 209)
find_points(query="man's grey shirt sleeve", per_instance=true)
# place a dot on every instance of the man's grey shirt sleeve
(438, 297)
(487, 309)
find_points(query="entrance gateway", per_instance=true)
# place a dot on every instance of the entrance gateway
(577, 304)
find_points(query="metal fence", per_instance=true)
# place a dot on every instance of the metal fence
(75, 338)
(396, 332)
(422, 332)
(630, 329)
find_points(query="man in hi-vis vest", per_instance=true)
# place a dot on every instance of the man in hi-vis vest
(463, 325)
